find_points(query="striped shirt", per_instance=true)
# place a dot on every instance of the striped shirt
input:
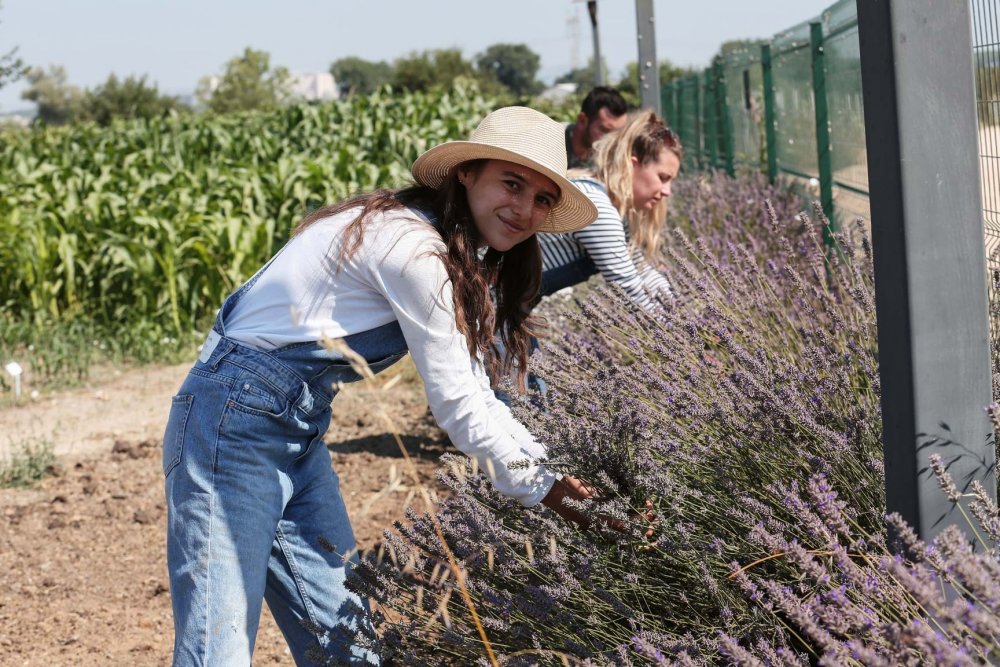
(605, 241)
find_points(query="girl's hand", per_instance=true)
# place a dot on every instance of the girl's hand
(576, 489)
(568, 487)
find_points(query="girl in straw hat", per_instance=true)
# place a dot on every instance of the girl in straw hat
(249, 485)
(634, 170)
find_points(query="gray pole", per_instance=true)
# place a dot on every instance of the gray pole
(598, 74)
(927, 232)
(649, 71)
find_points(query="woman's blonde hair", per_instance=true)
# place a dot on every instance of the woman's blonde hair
(644, 137)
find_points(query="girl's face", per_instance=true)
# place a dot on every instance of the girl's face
(651, 182)
(508, 202)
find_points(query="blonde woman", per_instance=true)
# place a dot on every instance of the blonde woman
(634, 171)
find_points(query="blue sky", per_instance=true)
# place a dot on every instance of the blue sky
(175, 42)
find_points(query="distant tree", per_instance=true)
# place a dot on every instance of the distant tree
(12, 68)
(59, 102)
(130, 98)
(357, 75)
(427, 69)
(416, 71)
(248, 83)
(584, 76)
(515, 66)
(628, 85)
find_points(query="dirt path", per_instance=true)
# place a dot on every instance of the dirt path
(118, 404)
(82, 565)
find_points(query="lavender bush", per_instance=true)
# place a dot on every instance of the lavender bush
(858, 603)
(760, 374)
(720, 210)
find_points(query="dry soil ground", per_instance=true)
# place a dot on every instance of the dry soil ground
(82, 561)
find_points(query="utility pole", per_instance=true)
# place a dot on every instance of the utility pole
(573, 24)
(598, 74)
(649, 70)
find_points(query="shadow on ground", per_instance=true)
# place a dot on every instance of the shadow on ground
(422, 447)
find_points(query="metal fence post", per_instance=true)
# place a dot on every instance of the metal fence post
(770, 129)
(680, 126)
(710, 123)
(698, 124)
(667, 102)
(824, 162)
(725, 122)
(676, 101)
(927, 232)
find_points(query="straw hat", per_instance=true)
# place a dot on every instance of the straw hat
(522, 136)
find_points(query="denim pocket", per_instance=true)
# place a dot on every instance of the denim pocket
(173, 438)
(259, 398)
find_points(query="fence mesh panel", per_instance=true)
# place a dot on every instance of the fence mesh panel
(986, 52)
(794, 107)
(849, 156)
(744, 81)
(693, 104)
(688, 121)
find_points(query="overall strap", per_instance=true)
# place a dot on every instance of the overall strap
(233, 299)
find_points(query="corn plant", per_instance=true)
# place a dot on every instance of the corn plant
(147, 225)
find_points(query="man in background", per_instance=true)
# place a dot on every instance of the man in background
(603, 110)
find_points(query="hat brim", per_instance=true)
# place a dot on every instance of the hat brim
(572, 212)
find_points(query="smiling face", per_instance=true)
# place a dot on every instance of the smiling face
(508, 202)
(651, 182)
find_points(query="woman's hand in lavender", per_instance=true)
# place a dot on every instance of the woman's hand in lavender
(578, 490)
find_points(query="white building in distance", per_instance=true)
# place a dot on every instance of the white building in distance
(558, 93)
(309, 86)
(314, 86)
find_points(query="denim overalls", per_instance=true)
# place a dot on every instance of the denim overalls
(251, 493)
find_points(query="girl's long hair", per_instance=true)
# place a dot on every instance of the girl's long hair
(644, 137)
(512, 277)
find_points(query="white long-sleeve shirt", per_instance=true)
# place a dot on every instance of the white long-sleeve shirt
(606, 242)
(306, 292)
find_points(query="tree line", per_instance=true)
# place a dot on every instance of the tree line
(249, 81)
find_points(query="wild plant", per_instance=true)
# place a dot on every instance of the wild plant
(26, 462)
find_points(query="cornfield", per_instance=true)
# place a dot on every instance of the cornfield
(140, 230)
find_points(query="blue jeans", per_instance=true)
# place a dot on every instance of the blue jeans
(251, 497)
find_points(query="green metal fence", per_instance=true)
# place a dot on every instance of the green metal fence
(986, 51)
(792, 106)
(986, 47)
